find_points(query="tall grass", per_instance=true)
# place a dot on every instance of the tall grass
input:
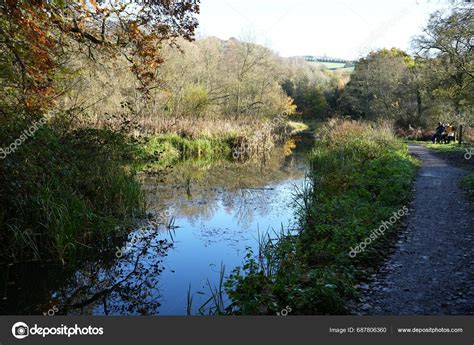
(176, 147)
(64, 194)
(170, 148)
(214, 304)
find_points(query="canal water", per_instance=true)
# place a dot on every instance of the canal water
(210, 213)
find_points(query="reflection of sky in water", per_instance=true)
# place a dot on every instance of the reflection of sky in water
(218, 211)
(201, 245)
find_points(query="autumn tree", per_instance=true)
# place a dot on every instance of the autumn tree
(38, 36)
(214, 78)
(446, 50)
(382, 86)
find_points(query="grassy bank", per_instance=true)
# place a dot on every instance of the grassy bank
(360, 175)
(164, 150)
(241, 140)
(62, 194)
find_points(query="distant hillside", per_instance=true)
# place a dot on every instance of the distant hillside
(331, 63)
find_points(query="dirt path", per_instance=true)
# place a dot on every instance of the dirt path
(431, 271)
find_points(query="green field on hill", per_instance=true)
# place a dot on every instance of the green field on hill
(332, 65)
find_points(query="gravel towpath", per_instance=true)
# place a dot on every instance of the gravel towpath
(431, 271)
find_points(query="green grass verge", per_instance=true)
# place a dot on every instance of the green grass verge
(360, 175)
(467, 184)
(447, 148)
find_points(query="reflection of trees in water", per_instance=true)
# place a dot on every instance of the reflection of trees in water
(129, 286)
(195, 190)
(246, 202)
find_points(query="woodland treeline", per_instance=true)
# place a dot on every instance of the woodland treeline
(210, 79)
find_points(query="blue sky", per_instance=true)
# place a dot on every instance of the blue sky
(340, 28)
